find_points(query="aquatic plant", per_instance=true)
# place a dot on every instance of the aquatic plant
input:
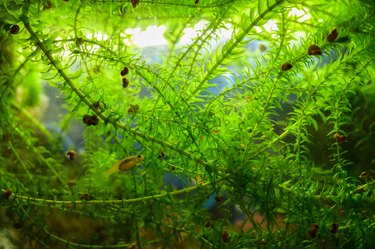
(256, 133)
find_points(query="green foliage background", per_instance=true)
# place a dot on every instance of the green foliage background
(268, 143)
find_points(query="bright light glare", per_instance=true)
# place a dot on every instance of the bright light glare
(191, 33)
(271, 25)
(296, 12)
(101, 36)
(302, 14)
(152, 36)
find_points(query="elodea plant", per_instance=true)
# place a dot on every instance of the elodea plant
(257, 132)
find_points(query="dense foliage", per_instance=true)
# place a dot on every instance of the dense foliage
(263, 138)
